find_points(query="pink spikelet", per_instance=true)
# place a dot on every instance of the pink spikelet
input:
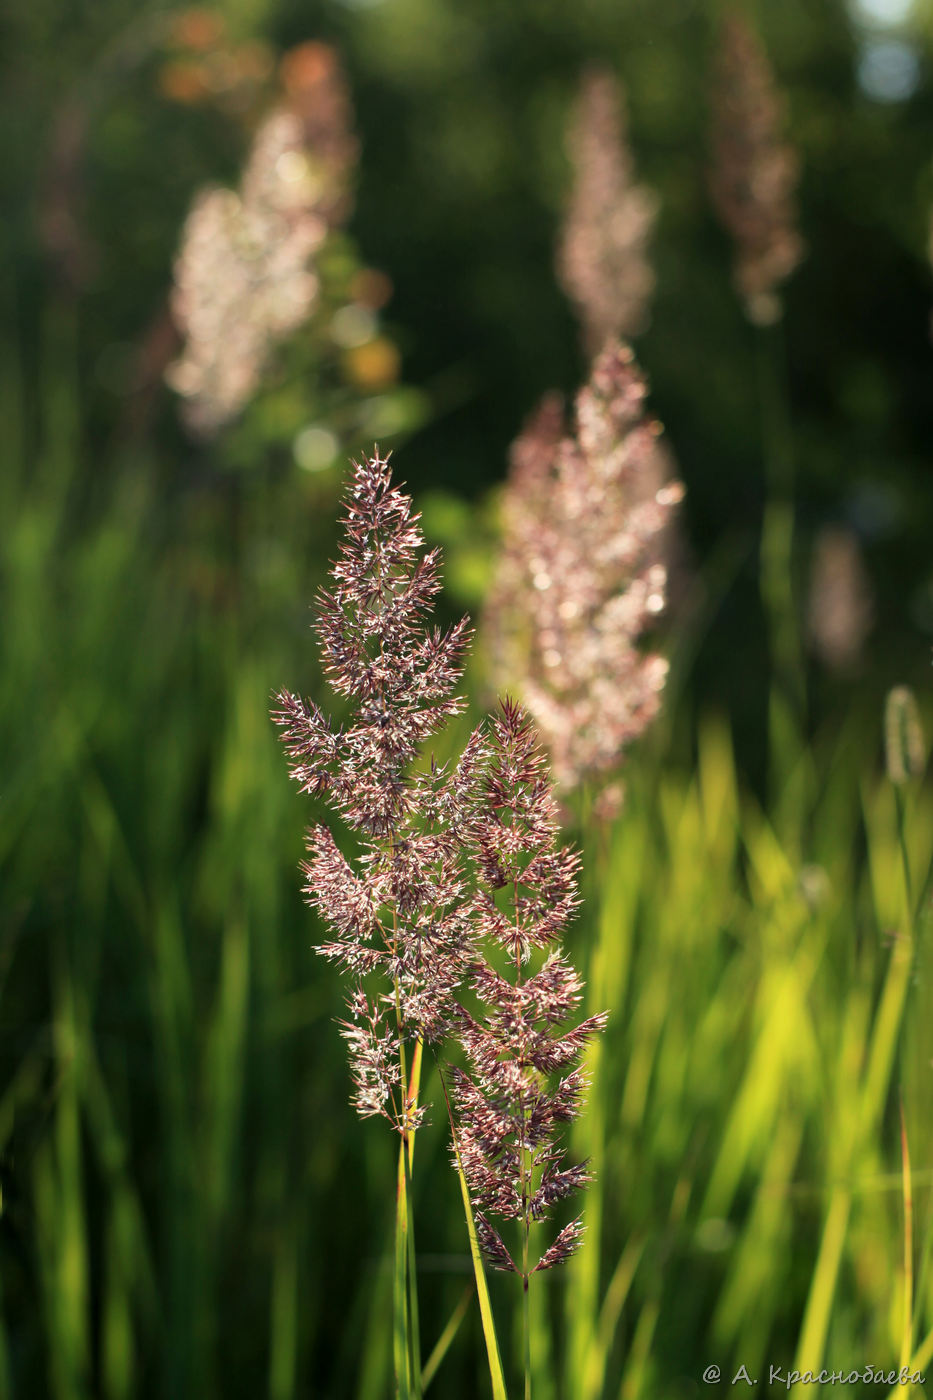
(523, 1080)
(753, 174)
(398, 909)
(840, 610)
(603, 258)
(244, 276)
(587, 521)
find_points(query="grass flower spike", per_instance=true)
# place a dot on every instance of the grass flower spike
(397, 913)
(244, 278)
(754, 171)
(454, 887)
(509, 1109)
(584, 573)
(523, 1082)
(603, 263)
(840, 605)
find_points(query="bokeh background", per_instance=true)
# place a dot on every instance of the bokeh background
(189, 1207)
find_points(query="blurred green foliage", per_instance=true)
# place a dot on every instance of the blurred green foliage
(189, 1207)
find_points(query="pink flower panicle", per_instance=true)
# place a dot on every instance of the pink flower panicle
(523, 1079)
(456, 884)
(602, 262)
(840, 604)
(584, 573)
(399, 913)
(754, 171)
(244, 277)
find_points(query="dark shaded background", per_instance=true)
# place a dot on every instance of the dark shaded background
(463, 178)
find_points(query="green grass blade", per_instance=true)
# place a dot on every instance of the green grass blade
(812, 1344)
(283, 1322)
(594, 1377)
(444, 1341)
(414, 1331)
(372, 1343)
(908, 1244)
(482, 1291)
(406, 1162)
(401, 1351)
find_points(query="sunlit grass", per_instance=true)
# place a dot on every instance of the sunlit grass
(189, 1207)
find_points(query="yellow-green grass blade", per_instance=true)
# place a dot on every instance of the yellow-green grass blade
(374, 1343)
(401, 1332)
(638, 1366)
(482, 1292)
(414, 1331)
(593, 1377)
(407, 1162)
(493, 1356)
(445, 1340)
(908, 1244)
(812, 1344)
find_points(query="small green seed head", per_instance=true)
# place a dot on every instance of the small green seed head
(904, 747)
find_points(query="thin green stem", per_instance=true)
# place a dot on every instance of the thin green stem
(496, 1376)
(907, 1336)
(526, 1321)
(432, 1365)
(777, 529)
(900, 804)
(525, 1173)
(406, 1272)
(407, 1345)
(408, 1153)
(787, 708)
(401, 1329)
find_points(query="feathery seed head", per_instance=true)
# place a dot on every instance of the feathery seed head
(398, 914)
(753, 176)
(584, 573)
(509, 1107)
(244, 278)
(603, 263)
(840, 607)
